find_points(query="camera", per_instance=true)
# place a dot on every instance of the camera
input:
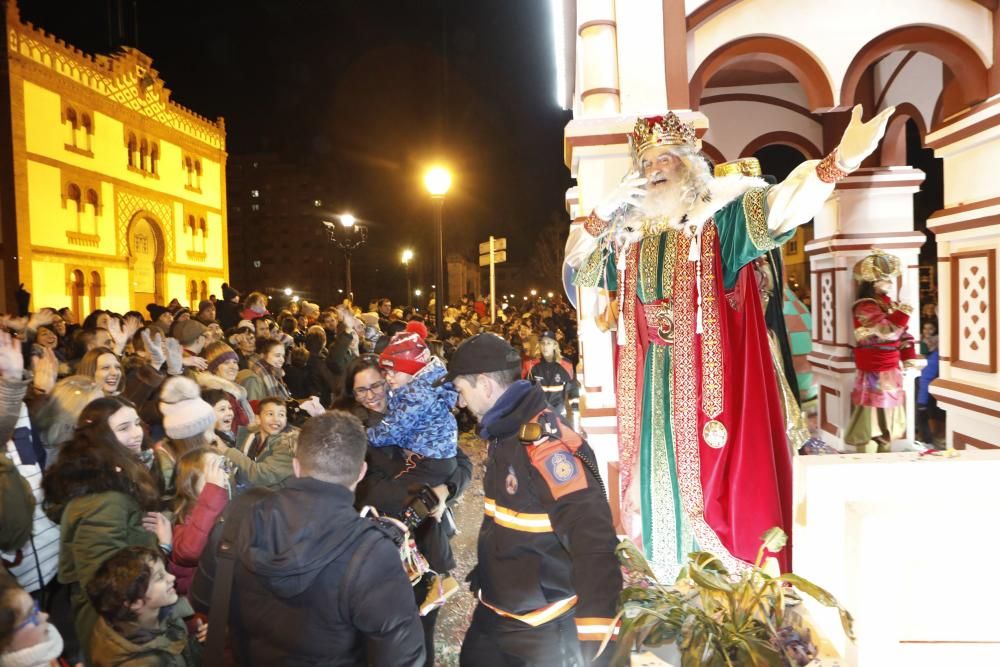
(421, 505)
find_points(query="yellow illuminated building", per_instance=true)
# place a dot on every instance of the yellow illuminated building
(111, 195)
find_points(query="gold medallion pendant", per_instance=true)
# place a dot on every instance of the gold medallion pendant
(715, 434)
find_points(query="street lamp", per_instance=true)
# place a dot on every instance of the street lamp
(288, 291)
(351, 237)
(534, 292)
(407, 257)
(437, 180)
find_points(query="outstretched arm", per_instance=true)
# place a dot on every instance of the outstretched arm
(796, 200)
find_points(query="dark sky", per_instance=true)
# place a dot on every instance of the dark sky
(366, 92)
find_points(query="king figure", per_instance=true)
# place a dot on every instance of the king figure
(703, 456)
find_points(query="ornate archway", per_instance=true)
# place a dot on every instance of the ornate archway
(146, 250)
(789, 56)
(970, 73)
(796, 141)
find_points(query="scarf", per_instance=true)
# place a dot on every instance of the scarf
(39, 655)
(271, 377)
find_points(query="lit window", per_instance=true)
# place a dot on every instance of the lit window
(254, 207)
(317, 203)
(255, 193)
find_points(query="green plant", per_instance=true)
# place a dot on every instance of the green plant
(715, 617)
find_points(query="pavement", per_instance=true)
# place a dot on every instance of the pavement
(456, 614)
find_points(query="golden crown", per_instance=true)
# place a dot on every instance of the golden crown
(666, 130)
(879, 265)
(746, 166)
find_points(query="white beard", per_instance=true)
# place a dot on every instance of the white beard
(667, 204)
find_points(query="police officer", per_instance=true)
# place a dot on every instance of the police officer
(547, 579)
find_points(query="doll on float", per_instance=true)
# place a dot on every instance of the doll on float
(883, 346)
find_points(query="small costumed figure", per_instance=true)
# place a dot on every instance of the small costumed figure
(882, 345)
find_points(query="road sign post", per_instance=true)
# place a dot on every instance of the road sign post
(491, 253)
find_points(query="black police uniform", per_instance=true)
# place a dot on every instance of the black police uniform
(547, 578)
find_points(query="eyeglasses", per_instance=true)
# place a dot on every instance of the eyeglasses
(31, 620)
(376, 388)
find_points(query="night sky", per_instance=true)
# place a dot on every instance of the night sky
(366, 93)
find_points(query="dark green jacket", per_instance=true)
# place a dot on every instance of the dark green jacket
(93, 527)
(274, 463)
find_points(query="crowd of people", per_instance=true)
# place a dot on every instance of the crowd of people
(183, 486)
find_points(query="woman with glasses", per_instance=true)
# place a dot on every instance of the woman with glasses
(26, 638)
(393, 473)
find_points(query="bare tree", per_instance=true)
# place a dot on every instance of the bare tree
(549, 247)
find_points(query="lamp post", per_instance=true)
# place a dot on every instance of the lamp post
(437, 180)
(407, 257)
(349, 238)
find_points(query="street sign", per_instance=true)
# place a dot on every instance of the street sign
(498, 244)
(498, 257)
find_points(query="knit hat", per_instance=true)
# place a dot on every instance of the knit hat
(217, 354)
(417, 327)
(228, 293)
(185, 414)
(155, 310)
(406, 353)
(188, 331)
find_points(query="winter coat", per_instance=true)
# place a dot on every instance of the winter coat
(191, 535)
(418, 416)
(389, 484)
(167, 646)
(287, 607)
(17, 498)
(271, 466)
(262, 381)
(93, 527)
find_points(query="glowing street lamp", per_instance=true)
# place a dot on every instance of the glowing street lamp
(437, 180)
(417, 292)
(350, 239)
(347, 220)
(534, 292)
(551, 295)
(407, 257)
(288, 291)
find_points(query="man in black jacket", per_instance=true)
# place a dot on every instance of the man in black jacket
(314, 583)
(547, 579)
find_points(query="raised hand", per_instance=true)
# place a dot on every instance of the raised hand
(194, 361)
(175, 357)
(154, 346)
(214, 472)
(629, 192)
(11, 359)
(117, 332)
(132, 324)
(41, 319)
(46, 370)
(861, 139)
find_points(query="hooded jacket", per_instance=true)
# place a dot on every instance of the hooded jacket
(287, 606)
(167, 646)
(418, 416)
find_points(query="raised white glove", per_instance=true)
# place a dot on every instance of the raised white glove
(627, 193)
(175, 358)
(861, 139)
(154, 346)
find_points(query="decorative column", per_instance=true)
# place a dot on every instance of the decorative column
(872, 208)
(968, 236)
(597, 50)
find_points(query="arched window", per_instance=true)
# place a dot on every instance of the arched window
(204, 291)
(133, 146)
(197, 174)
(76, 289)
(86, 130)
(95, 289)
(189, 168)
(191, 228)
(71, 125)
(203, 228)
(74, 202)
(194, 295)
(90, 211)
(143, 155)
(154, 157)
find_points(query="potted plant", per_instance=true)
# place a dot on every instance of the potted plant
(717, 618)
